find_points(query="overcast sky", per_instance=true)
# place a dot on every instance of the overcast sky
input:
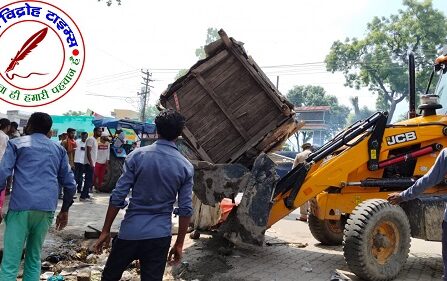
(162, 36)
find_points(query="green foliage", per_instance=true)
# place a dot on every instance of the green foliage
(359, 113)
(379, 60)
(287, 147)
(110, 2)
(75, 113)
(182, 72)
(316, 96)
(151, 113)
(211, 36)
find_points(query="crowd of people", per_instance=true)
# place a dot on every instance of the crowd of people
(157, 176)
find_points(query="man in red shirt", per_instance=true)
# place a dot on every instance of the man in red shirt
(102, 160)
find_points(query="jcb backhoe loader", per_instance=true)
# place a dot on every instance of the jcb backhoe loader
(348, 180)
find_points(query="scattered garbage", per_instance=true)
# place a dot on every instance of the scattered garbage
(46, 266)
(307, 267)
(56, 278)
(293, 244)
(55, 258)
(46, 275)
(339, 276)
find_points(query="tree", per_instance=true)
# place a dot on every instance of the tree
(211, 36)
(151, 113)
(75, 113)
(316, 96)
(109, 2)
(359, 113)
(379, 60)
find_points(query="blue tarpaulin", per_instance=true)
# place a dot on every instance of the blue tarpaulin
(113, 123)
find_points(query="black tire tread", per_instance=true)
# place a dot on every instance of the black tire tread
(354, 237)
(319, 232)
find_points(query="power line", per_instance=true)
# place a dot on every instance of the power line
(111, 76)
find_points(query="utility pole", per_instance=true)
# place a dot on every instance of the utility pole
(146, 93)
(277, 82)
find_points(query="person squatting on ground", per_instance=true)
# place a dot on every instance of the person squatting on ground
(39, 166)
(299, 158)
(431, 178)
(157, 175)
(91, 146)
(102, 160)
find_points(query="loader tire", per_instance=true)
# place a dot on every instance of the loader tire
(113, 173)
(376, 240)
(328, 232)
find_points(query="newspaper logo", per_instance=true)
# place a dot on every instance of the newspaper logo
(42, 53)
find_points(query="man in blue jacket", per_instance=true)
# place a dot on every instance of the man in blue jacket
(157, 175)
(39, 166)
(431, 178)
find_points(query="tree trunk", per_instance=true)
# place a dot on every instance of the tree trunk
(391, 111)
(297, 136)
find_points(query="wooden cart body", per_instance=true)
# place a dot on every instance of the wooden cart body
(233, 112)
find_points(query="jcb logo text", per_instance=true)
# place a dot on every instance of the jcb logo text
(400, 138)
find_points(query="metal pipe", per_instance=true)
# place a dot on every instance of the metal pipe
(414, 154)
(412, 86)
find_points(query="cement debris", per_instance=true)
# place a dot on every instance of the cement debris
(213, 182)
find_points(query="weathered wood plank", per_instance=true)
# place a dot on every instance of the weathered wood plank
(187, 95)
(209, 114)
(212, 62)
(224, 130)
(256, 139)
(214, 82)
(252, 71)
(227, 113)
(287, 128)
(190, 137)
(236, 88)
(255, 110)
(214, 73)
(223, 144)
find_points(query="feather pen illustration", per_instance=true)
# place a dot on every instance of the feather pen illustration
(29, 45)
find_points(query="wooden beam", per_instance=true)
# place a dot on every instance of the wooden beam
(222, 107)
(255, 74)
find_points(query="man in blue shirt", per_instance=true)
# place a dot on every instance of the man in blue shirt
(431, 178)
(39, 166)
(157, 175)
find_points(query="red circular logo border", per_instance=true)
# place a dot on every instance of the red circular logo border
(83, 46)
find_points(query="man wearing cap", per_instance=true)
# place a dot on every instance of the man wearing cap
(102, 160)
(299, 158)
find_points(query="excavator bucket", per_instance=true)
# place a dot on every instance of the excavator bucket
(213, 182)
(247, 222)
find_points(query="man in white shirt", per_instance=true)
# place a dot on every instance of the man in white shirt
(79, 160)
(102, 160)
(5, 125)
(91, 151)
(299, 158)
